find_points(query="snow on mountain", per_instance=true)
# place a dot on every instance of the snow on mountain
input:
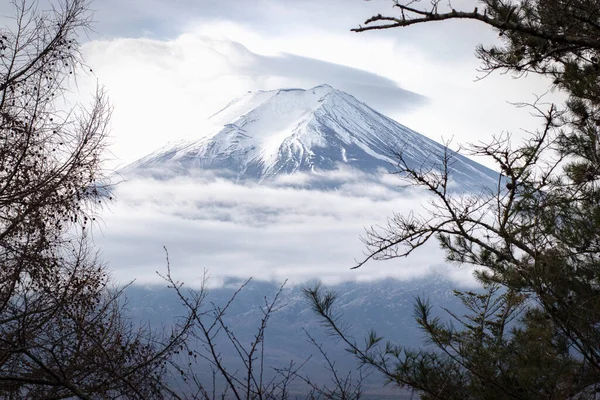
(268, 133)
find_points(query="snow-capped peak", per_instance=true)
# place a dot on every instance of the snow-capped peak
(266, 133)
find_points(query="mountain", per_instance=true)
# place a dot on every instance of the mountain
(386, 306)
(265, 134)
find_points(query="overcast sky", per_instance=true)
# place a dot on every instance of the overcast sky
(169, 64)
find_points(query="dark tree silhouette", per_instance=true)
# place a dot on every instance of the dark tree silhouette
(534, 332)
(213, 342)
(62, 329)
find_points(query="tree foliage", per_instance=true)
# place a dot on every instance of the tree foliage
(534, 332)
(63, 333)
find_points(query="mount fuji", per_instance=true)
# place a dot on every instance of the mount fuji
(261, 137)
(265, 134)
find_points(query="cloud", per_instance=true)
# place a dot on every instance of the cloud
(270, 233)
(375, 90)
(278, 20)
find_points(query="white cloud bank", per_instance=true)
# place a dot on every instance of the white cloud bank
(270, 233)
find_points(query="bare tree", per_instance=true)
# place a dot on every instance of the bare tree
(239, 370)
(62, 329)
(247, 382)
(344, 386)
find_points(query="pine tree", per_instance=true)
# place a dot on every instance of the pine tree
(534, 332)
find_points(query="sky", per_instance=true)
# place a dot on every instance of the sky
(169, 64)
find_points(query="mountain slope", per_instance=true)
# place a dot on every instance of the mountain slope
(262, 135)
(386, 306)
